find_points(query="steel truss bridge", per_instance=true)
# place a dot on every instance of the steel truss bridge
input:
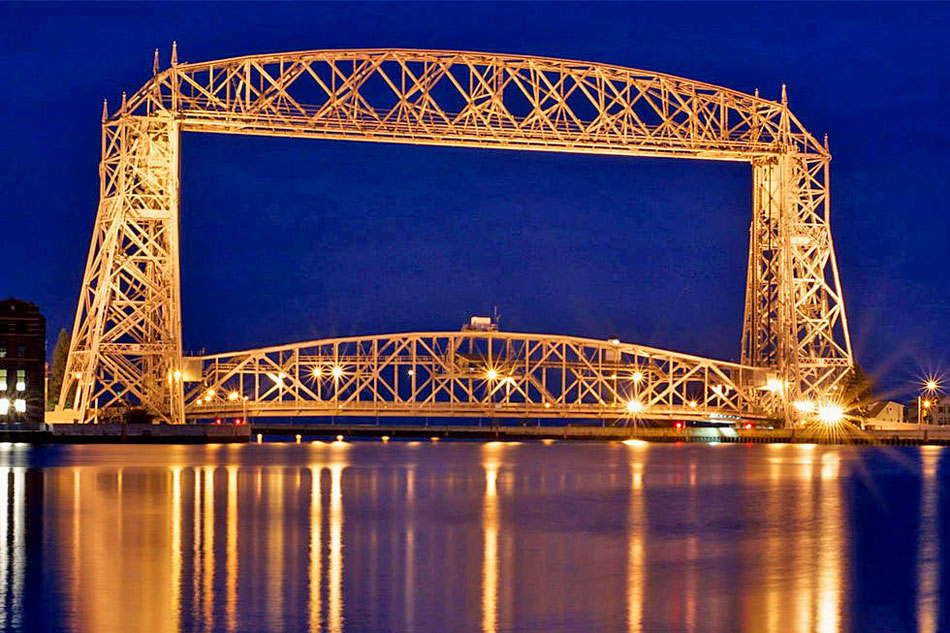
(126, 347)
(471, 374)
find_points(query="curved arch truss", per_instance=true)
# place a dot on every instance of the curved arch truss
(126, 345)
(473, 374)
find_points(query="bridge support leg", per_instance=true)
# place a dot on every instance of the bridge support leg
(126, 344)
(794, 326)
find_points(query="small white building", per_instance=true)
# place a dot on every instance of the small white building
(884, 413)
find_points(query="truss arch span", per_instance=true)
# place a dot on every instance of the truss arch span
(126, 345)
(472, 99)
(473, 374)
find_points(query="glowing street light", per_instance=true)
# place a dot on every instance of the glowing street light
(634, 406)
(491, 374)
(931, 385)
(637, 376)
(804, 406)
(337, 371)
(830, 413)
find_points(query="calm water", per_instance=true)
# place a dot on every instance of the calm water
(473, 537)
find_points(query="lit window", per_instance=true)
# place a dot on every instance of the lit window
(3, 379)
(3, 351)
(20, 405)
(4, 406)
(21, 380)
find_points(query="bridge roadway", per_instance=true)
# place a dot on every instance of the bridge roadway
(476, 374)
(814, 434)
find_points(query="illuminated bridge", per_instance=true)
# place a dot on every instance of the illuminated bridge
(126, 348)
(472, 374)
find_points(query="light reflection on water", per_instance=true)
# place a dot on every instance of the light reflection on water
(467, 536)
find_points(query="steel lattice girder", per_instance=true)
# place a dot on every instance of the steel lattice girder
(461, 374)
(127, 339)
(472, 99)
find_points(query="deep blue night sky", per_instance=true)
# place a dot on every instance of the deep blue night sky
(288, 240)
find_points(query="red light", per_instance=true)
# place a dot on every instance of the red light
(237, 420)
(678, 425)
(218, 421)
(748, 425)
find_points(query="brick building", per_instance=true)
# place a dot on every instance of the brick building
(22, 363)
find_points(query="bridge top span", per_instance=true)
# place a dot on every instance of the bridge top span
(478, 99)
(542, 62)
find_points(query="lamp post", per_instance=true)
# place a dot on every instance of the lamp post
(931, 387)
(921, 405)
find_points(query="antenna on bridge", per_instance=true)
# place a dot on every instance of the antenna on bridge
(105, 110)
(123, 99)
(756, 93)
(496, 318)
(174, 53)
(155, 63)
(826, 142)
(784, 96)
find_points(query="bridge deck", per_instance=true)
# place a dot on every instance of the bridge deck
(850, 435)
(475, 374)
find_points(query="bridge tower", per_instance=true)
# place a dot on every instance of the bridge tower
(794, 325)
(126, 347)
(126, 343)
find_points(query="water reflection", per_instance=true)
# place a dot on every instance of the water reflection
(335, 617)
(316, 543)
(231, 553)
(636, 529)
(490, 550)
(338, 537)
(12, 549)
(828, 548)
(927, 572)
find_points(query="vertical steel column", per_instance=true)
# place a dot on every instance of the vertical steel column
(768, 337)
